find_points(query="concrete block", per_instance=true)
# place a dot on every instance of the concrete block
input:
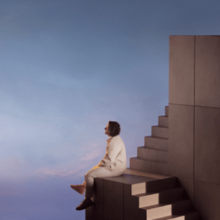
(163, 121)
(171, 195)
(146, 174)
(190, 216)
(185, 216)
(167, 111)
(163, 197)
(152, 154)
(148, 166)
(207, 77)
(181, 207)
(130, 179)
(113, 200)
(131, 205)
(156, 143)
(138, 183)
(163, 211)
(188, 186)
(180, 152)
(158, 211)
(131, 185)
(181, 70)
(145, 200)
(96, 212)
(161, 184)
(160, 132)
(138, 188)
(207, 200)
(207, 144)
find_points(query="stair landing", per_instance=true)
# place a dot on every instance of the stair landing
(131, 197)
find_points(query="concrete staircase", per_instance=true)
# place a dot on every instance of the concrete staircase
(152, 157)
(148, 197)
(144, 192)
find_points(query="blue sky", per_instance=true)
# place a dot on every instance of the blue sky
(66, 69)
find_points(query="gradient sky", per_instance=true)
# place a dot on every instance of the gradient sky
(67, 68)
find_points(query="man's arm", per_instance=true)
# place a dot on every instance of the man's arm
(113, 150)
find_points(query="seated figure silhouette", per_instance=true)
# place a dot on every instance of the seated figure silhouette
(113, 164)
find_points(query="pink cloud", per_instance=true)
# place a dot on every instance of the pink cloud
(92, 155)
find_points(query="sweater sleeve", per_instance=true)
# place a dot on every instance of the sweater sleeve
(113, 151)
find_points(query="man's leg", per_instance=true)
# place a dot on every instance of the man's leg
(98, 172)
(89, 180)
(81, 188)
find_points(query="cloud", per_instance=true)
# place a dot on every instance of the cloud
(92, 155)
(77, 167)
(66, 169)
(57, 172)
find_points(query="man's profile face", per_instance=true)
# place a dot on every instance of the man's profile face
(107, 129)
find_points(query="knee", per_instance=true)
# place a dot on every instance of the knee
(91, 173)
(88, 176)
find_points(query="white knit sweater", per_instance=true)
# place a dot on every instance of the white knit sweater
(115, 157)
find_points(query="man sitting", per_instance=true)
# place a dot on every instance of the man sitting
(114, 163)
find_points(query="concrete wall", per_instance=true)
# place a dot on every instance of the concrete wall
(194, 119)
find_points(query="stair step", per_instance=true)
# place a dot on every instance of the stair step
(159, 132)
(138, 188)
(171, 195)
(164, 197)
(185, 216)
(160, 211)
(146, 200)
(148, 166)
(163, 121)
(167, 111)
(180, 207)
(146, 174)
(115, 193)
(157, 143)
(152, 154)
(153, 186)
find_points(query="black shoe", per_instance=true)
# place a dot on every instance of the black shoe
(87, 202)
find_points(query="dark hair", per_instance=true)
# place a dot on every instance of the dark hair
(114, 128)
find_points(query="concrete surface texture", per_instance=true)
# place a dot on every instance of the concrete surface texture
(130, 197)
(181, 70)
(207, 69)
(194, 119)
(185, 144)
(153, 156)
(180, 141)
